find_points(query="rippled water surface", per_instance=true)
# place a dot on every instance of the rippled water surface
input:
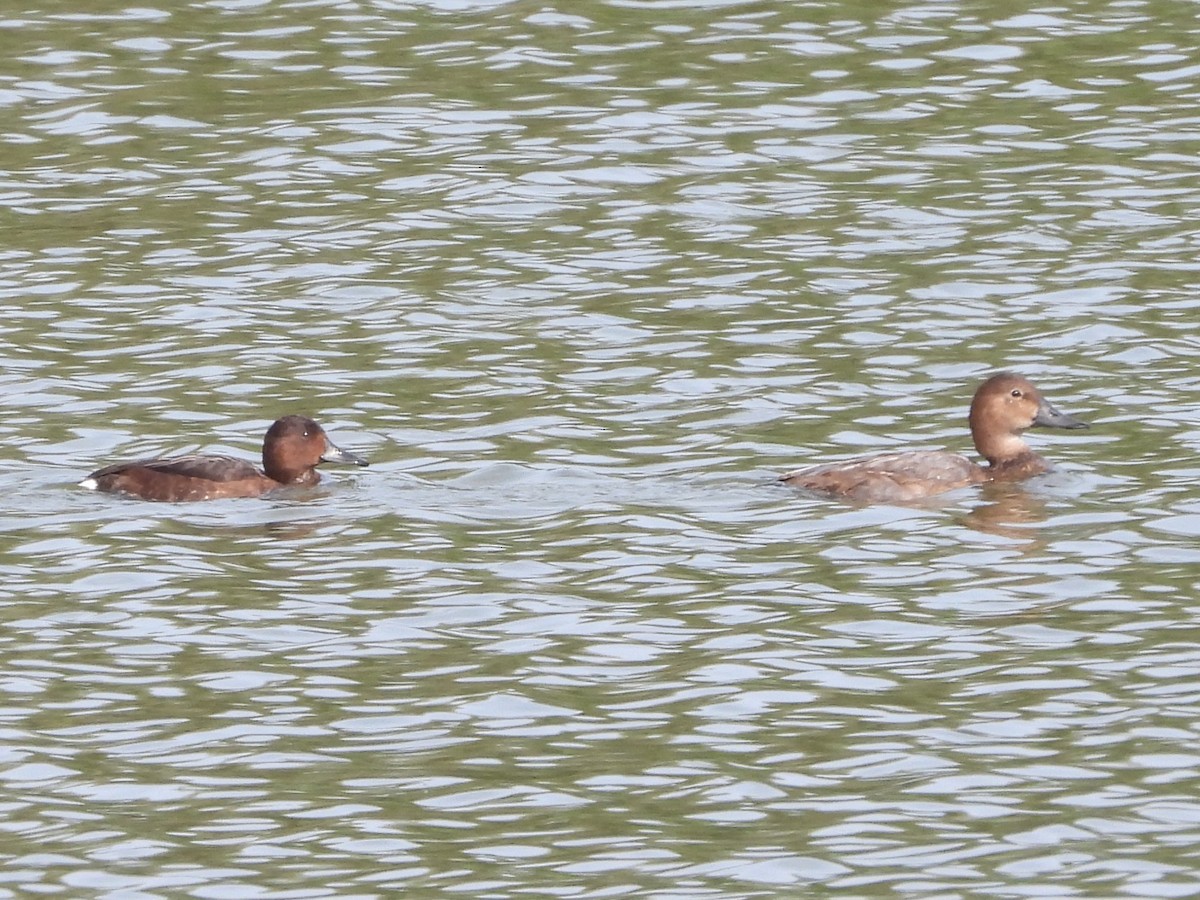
(580, 280)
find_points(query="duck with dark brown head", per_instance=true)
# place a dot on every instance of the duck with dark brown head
(292, 448)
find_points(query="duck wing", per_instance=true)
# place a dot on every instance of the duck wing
(890, 477)
(207, 468)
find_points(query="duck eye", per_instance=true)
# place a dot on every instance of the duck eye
(1016, 392)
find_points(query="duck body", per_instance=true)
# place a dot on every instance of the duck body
(891, 477)
(1003, 408)
(292, 448)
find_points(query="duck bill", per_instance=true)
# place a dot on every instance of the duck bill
(336, 454)
(1050, 417)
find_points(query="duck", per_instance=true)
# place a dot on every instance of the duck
(292, 448)
(1003, 408)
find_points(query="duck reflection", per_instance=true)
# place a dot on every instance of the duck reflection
(1008, 509)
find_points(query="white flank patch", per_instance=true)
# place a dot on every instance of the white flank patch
(89, 483)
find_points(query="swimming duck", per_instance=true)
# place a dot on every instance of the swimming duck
(292, 448)
(1004, 406)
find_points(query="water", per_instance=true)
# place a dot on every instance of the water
(579, 281)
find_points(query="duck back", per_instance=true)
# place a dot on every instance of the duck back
(890, 477)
